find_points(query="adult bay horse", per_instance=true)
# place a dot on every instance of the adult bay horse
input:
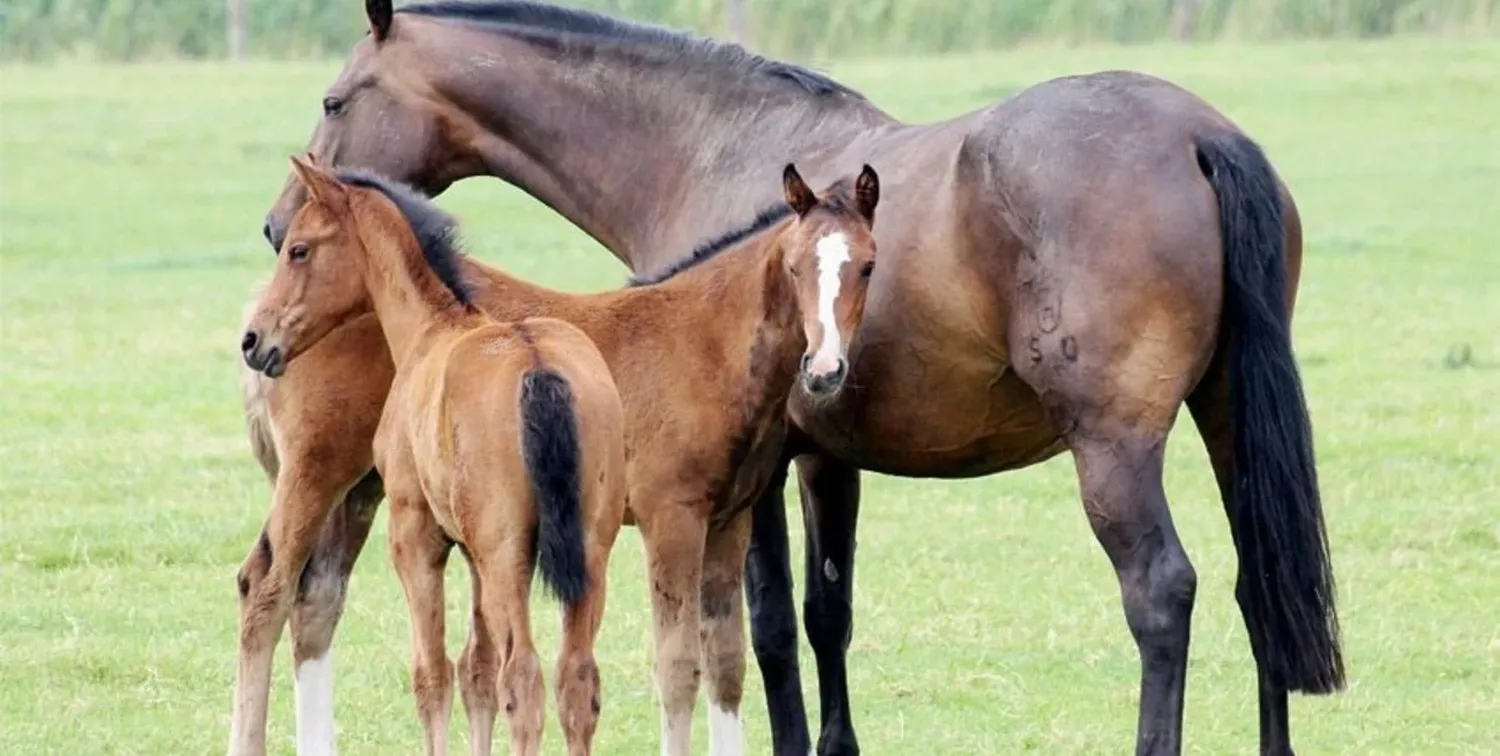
(704, 355)
(1064, 270)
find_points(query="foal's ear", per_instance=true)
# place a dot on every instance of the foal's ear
(867, 193)
(321, 186)
(380, 13)
(798, 195)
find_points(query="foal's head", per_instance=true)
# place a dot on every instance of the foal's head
(829, 251)
(319, 281)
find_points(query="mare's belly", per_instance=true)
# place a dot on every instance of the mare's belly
(936, 405)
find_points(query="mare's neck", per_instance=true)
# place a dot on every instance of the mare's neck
(409, 300)
(650, 153)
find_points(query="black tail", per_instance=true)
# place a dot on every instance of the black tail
(549, 442)
(1286, 578)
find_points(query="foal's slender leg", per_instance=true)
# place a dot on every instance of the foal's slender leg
(419, 551)
(773, 619)
(1209, 405)
(321, 593)
(830, 511)
(723, 632)
(479, 672)
(674, 535)
(577, 677)
(1120, 473)
(505, 574)
(307, 488)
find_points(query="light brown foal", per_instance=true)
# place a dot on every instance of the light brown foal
(503, 438)
(704, 355)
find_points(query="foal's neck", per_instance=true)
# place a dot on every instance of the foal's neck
(409, 300)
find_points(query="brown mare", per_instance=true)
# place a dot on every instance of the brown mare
(1062, 271)
(704, 354)
(504, 439)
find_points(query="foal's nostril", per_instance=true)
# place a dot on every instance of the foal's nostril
(265, 230)
(248, 343)
(806, 358)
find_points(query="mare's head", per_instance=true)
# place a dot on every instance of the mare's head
(829, 253)
(319, 282)
(383, 114)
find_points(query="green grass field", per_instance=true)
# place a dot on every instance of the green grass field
(987, 619)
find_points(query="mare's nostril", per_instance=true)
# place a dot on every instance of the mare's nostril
(265, 230)
(806, 358)
(248, 343)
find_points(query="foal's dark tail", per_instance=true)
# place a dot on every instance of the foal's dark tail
(1286, 577)
(549, 442)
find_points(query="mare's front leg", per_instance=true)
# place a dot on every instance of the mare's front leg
(419, 551)
(311, 481)
(830, 511)
(321, 593)
(773, 619)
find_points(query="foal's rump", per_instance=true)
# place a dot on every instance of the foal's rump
(559, 427)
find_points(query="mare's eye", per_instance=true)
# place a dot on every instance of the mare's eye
(867, 270)
(332, 106)
(297, 253)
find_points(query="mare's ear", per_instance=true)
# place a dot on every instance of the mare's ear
(321, 185)
(798, 195)
(380, 13)
(867, 193)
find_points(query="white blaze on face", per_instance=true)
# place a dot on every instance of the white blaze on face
(314, 693)
(832, 253)
(725, 736)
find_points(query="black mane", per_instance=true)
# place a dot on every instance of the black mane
(707, 250)
(435, 230)
(524, 16)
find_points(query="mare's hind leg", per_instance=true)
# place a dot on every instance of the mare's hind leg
(321, 593)
(1209, 405)
(1120, 474)
(1112, 371)
(773, 619)
(830, 510)
(723, 632)
(419, 551)
(479, 672)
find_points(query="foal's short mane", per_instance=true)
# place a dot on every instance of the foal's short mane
(534, 19)
(436, 231)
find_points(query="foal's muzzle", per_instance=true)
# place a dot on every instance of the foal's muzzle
(269, 361)
(823, 383)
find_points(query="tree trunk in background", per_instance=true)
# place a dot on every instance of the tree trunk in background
(1185, 18)
(235, 13)
(736, 22)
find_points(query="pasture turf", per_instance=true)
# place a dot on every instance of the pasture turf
(987, 619)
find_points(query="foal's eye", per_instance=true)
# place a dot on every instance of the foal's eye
(297, 253)
(866, 271)
(332, 106)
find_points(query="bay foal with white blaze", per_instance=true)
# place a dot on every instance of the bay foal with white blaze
(704, 354)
